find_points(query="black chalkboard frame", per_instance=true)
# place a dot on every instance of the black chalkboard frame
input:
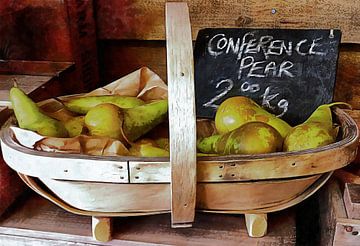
(290, 93)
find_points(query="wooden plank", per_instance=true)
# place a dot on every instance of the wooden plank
(36, 220)
(119, 58)
(82, 28)
(36, 68)
(101, 228)
(44, 31)
(352, 200)
(69, 167)
(331, 209)
(117, 19)
(11, 187)
(182, 126)
(149, 172)
(256, 224)
(251, 197)
(28, 83)
(348, 76)
(347, 232)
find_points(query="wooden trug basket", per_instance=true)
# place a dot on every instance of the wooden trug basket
(254, 185)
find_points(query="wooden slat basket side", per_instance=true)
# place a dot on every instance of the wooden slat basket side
(157, 170)
(93, 199)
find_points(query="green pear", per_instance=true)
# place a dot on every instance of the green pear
(75, 126)
(236, 111)
(82, 105)
(30, 117)
(250, 138)
(140, 120)
(163, 143)
(105, 120)
(148, 150)
(315, 132)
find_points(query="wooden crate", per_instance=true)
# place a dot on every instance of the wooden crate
(339, 214)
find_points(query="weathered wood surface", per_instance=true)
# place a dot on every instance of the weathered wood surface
(348, 76)
(182, 123)
(11, 187)
(347, 232)
(35, 68)
(67, 167)
(28, 83)
(352, 200)
(95, 199)
(37, 221)
(101, 228)
(82, 28)
(256, 224)
(144, 19)
(335, 227)
(34, 30)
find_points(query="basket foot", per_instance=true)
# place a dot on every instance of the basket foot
(101, 228)
(256, 224)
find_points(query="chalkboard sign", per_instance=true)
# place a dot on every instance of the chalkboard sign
(289, 72)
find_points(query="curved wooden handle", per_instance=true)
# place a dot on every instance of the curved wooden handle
(182, 118)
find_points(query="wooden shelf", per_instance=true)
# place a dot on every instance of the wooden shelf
(33, 219)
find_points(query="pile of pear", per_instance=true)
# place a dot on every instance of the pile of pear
(124, 118)
(241, 126)
(244, 127)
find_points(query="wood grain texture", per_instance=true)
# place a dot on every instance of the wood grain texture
(108, 197)
(244, 196)
(66, 167)
(11, 187)
(39, 222)
(256, 224)
(348, 76)
(28, 83)
(35, 68)
(331, 209)
(144, 19)
(82, 28)
(347, 232)
(182, 126)
(352, 200)
(119, 58)
(34, 30)
(101, 228)
(98, 199)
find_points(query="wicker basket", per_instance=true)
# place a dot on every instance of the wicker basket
(253, 185)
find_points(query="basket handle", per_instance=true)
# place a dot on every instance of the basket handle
(182, 117)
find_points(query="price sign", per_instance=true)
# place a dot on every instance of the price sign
(288, 72)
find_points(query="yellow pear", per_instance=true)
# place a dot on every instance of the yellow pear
(147, 150)
(250, 138)
(75, 126)
(105, 120)
(315, 132)
(29, 116)
(236, 111)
